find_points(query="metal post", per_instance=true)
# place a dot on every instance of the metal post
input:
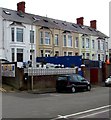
(32, 82)
(32, 61)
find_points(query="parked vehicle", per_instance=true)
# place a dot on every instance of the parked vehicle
(108, 81)
(72, 83)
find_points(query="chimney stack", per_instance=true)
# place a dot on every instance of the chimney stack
(80, 21)
(21, 7)
(93, 24)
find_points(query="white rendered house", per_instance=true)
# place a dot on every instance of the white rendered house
(18, 35)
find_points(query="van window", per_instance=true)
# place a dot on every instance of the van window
(62, 78)
(80, 78)
(75, 78)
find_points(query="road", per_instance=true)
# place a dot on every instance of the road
(53, 106)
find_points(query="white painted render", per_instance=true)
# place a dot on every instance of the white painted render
(6, 43)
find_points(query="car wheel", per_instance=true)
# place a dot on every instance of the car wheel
(73, 90)
(88, 88)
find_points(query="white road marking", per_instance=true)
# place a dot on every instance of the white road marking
(83, 112)
(93, 114)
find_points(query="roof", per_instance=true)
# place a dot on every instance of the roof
(27, 18)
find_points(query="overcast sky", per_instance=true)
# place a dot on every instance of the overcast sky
(67, 10)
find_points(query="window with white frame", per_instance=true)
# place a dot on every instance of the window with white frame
(31, 36)
(83, 55)
(64, 40)
(76, 54)
(13, 54)
(56, 40)
(69, 53)
(47, 53)
(102, 45)
(87, 43)
(99, 57)
(41, 53)
(92, 56)
(83, 43)
(98, 44)
(47, 38)
(56, 53)
(93, 44)
(65, 53)
(41, 37)
(13, 34)
(19, 33)
(87, 55)
(76, 43)
(69, 41)
(106, 46)
(19, 55)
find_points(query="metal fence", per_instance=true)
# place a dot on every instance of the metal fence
(53, 71)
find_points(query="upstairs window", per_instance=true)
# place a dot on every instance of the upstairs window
(98, 44)
(87, 43)
(93, 44)
(69, 41)
(31, 36)
(106, 46)
(41, 37)
(12, 34)
(76, 43)
(47, 38)
(64, 41)
(19, 36)
(83, 43)
(102, 45)
(56, 40)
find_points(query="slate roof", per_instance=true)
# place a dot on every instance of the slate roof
(42, 21)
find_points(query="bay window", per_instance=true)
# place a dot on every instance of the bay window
(13, 34)
(41, 37)
(76, 43)
(47, 38)
(87, 43)
(64, 41)
(31, 36)
(19, 34)
(56, 39)
(83, 43)
(69, 41)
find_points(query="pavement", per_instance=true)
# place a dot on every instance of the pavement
(8, 88)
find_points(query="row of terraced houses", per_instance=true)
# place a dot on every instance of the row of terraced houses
(25, 36)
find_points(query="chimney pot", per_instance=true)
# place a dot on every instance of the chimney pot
(80, 21)
(21, 6)
(93, 24)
